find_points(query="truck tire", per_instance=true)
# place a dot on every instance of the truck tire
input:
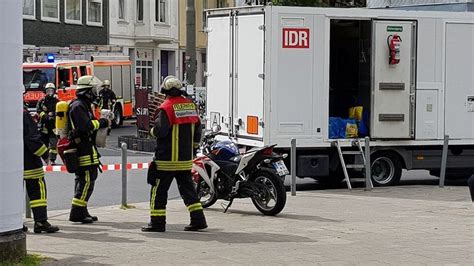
(386, 169)
(118, 117)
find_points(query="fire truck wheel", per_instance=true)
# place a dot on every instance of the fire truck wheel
(118, 117)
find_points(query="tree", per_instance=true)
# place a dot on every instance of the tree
(321, 3)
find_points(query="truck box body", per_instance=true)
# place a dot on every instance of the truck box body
(272, 71)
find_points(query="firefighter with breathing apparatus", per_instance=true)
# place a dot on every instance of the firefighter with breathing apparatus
(83, 129)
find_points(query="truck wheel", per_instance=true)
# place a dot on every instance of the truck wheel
(118, 118)
(386, 169)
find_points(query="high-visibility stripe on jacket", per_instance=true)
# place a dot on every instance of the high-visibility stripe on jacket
(177, 129)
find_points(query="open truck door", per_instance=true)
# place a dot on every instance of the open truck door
(235, 78)
(219, 73)
(248, 77)
(393, 83)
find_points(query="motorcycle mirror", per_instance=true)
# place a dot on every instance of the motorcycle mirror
(216, 128)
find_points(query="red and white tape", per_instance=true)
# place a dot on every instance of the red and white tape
(106, 167)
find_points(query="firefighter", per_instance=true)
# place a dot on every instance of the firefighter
(46, 109)
(84, 128)
(33, 174)
(470, 183)
(177, 131)
(107, 96)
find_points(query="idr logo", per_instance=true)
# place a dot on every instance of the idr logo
(295, 38)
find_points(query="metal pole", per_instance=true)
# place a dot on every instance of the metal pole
(368, 170)
(124, 173)
(27, 206)
(293, 166)
(444, 160)
(190, 42)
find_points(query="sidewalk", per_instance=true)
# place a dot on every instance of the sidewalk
(336, 227)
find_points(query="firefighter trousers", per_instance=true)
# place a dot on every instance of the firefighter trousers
(36, 189)
(84, 186)
(159, 196)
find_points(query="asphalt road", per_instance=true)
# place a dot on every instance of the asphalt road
(108, 187)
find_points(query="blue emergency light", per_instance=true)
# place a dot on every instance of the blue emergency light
(50, 58)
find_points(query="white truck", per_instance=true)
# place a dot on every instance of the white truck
(276, 73)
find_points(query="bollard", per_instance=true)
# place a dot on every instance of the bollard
(124, 174)
(293, 167)
(444, 161)
(368, 166)
(27, 206)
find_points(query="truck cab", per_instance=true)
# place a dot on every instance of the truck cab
(64, 75)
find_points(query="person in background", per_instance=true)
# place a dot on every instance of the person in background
(46, 109)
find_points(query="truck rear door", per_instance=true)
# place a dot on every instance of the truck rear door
(249, 78)
(393, 87)
(219, 73)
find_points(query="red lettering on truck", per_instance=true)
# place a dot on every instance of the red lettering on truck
(295, 38)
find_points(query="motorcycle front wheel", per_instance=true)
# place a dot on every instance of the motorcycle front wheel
(270, 196)
(205, 195)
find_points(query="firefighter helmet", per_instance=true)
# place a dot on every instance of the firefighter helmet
(50, 86)
(171, 82)
(86, 84)
(106, 83)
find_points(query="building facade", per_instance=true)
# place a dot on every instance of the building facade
(61, 23)
(148, 31)
(201, 37)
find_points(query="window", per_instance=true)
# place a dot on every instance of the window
(139, 10)
(221, 3)
(73, 11)
(94, 12)
(63, 75)
(50, 10)
(83, 70)
(121, 9)
(160, 11)
(29, 8)
(37, 78)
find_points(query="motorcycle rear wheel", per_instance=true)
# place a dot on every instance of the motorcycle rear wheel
(271, 197)
(203, 191)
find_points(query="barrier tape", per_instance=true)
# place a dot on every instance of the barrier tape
(106, 167)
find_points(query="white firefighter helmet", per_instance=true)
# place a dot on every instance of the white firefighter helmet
(50, 86)
(86, 83)
(106, 83)
(171, 82)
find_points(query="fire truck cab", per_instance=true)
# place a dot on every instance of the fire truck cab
(64, 75)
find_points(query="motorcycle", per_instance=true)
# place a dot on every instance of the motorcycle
(220, 172)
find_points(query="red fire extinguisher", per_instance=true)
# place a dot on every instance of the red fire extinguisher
(394, 44)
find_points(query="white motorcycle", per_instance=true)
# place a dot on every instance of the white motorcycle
(220, 172)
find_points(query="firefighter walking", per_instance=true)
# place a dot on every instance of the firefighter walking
(84, 128)
(46, 109)
(107, 96)
(33, 174)
(177, 130)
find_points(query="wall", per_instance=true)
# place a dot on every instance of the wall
(42, 33)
